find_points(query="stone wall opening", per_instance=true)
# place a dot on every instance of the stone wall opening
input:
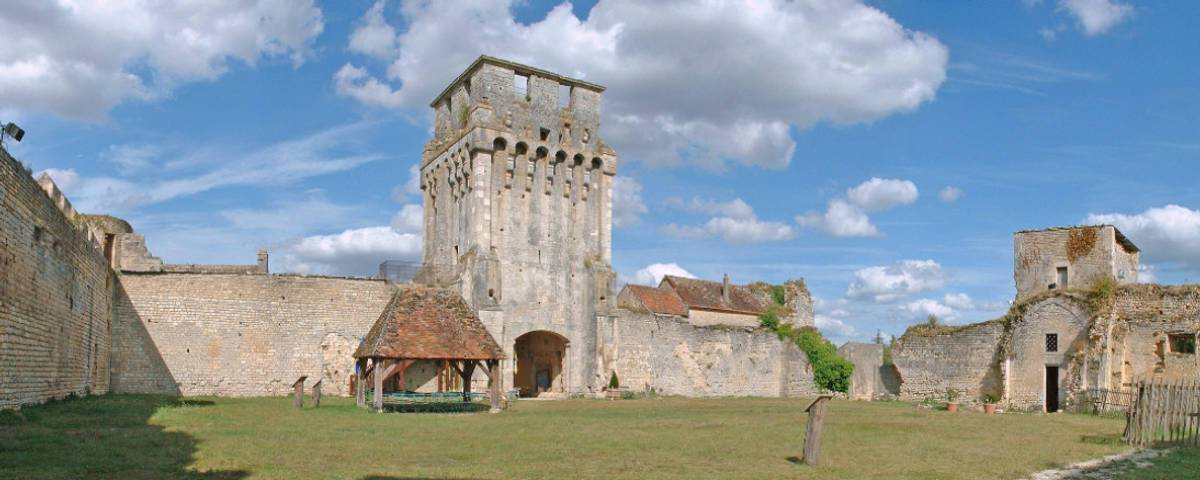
(539, 357)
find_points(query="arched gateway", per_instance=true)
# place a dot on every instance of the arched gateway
(540, 358)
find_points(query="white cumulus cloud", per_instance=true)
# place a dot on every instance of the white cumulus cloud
(1164, 234)
(628, 206)
(81, 59)
(653, 273)
(848, 217)
(950, 194)
(351, 252)
(1097, 16)
(892, 282)
(881, 194)
(727, 81)
(923, 308)
(735, 222)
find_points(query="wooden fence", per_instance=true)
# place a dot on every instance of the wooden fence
(1104, 401)
(1164, 413)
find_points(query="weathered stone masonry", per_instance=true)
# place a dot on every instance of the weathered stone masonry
(55, 295)
(518, 195)
(240, 335)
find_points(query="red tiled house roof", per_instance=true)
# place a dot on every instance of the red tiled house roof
(707, 295)
(429, 323)
(662, 301)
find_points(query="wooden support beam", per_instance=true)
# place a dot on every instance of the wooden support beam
(360, 367)
(317, 393)
(466, 372)
(379, 374)
(494, 385)
(298, 392)
(816, 423)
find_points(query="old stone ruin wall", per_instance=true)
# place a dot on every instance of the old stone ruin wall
(1088, 253)
(1148, 324)
(669, 355)
(55, 294)
(1141, 332)
(240, 334)
(963, 360)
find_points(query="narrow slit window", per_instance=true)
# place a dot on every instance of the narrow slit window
(1051, 342)
(1062, 278)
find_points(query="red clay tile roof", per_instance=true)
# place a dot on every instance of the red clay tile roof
(706, 295)
(662, 301)
(429, 323)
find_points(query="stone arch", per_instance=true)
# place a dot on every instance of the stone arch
(597, 163)
(521, 148)
(578, 158)
(1030, 360)
(540, 363)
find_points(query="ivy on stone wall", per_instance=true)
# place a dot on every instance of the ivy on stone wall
(1080, 243)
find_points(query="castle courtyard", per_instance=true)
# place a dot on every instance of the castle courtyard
(151, 437)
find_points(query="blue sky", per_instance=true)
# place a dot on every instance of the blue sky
(884, 151)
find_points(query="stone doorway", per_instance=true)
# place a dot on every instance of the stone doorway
(1051, 389)
(539, 364)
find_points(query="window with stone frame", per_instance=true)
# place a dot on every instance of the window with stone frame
(1182, 343)
(1051, 342)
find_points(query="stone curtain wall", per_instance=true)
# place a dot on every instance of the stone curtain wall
(963, 360)
(240, 335)
(674, 357)
(1145, 316)
(866, 382)
(55, 291)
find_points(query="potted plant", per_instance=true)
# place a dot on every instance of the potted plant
(951, 400)
(989, 404)
(614, 387)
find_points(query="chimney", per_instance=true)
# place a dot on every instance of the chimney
(725, 289)
(262, 262)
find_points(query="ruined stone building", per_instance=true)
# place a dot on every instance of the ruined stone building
(518, 222)
(1080, 321)
(708, 303)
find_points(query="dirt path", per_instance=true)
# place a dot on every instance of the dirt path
(1101, 468)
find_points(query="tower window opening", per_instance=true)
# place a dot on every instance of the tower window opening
(564, 96)
(521, 85)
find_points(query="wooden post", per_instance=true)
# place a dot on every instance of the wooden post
(380, 371)
(360, 367)
(816, 421)
(317, 393)
(298, 389)
(466, 372)
(494, 385)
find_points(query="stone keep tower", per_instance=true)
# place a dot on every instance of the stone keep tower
(518, 216)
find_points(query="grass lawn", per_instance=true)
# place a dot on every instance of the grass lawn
(134, 437)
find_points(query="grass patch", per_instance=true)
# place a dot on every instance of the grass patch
(160, 437)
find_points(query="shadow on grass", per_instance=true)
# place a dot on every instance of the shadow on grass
(99, 437)
(1111, 439)
(376, 477)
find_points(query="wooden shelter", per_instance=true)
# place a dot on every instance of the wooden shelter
(427, 324)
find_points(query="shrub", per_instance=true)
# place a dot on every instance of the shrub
(613, 384)
(990, 398)
(769, 319)
(951, 394)
(830, 371)
(777, 294)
